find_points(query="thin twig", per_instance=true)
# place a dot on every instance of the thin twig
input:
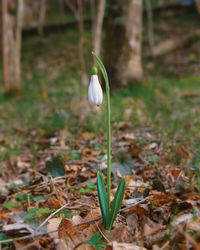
(134, 204)
(50, 216)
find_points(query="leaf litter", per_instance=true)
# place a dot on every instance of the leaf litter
(50, 200)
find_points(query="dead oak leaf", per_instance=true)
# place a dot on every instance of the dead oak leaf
(69, 232)
(159, 198)
(140, 211)
(75, 235)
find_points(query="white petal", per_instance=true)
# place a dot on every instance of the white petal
(95, 93)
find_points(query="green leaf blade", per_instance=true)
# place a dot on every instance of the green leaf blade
(116, 205)
(102, 196)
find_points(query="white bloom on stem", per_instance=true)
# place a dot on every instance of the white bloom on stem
(95, 93)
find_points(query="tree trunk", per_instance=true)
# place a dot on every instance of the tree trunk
(198, 5)
(97, 28)
(150, 24)
(122, 45)
(84, 78)
(4, 9)
(11, 46)
(42, 15)
(78, 11)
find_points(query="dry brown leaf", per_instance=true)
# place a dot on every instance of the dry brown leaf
(182, 151)
(87, 151)
(134, 149)
(120, 232)
(71, 169)
(93, 214)
(148, 173)
(140, 211)
(160, 198)
(151, 228)
(122, 125)
(175, 172)
(123, 246)
(87, 135)
(85, 246)
(62, 245)
(194, 225)
(27, 245)
(53, 225)
(55, 203)
(73, 234)
(17, 227)
(182, 219)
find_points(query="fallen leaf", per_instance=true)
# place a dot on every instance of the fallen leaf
(182, 151)
(72, 234)
(85, 246)
(53, 225)
(55, 203)
(134, 149)
(151, 228)
(123, 246)
(140, 211)
(161, 198)
(87, 135)
(87, 151)
(21, 228)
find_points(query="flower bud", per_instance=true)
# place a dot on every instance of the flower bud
(95, 93)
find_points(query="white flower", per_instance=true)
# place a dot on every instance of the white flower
(95, 93)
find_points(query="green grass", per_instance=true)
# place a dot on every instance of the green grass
(53, 98)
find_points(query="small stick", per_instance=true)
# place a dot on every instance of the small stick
(50, 216)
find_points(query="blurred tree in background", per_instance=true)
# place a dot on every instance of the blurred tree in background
(122, 45)
(119, 39)
(12, 18)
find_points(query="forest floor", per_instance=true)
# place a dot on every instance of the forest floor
(52, 144)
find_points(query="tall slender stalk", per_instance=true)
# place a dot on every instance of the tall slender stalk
(103, 70)
(108, 146)
(109, 212)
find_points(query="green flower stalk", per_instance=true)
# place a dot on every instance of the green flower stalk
(109, 212)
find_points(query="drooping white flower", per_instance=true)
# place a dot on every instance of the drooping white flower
(95, 93)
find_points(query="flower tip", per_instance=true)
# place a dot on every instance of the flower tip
(94, 71)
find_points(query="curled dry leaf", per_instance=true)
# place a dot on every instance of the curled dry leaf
(22, 228)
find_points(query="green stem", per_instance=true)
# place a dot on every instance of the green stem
(108, 147)
(103, 70)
